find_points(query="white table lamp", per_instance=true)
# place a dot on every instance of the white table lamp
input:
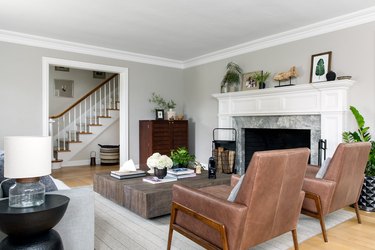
(26, 159)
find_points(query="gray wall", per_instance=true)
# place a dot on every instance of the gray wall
(21, 89)
(352, 54)
(83, 83)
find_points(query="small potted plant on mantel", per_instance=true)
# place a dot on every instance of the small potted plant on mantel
(232, 77)
(261, 78)
(367, 197)
(161, 103)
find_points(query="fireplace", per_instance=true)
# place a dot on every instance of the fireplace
(260, 139)
(281, 128)
(320, 108)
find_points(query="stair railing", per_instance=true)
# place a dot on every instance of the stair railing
(77, 119)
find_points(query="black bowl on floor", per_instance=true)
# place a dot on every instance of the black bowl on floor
(25, 222)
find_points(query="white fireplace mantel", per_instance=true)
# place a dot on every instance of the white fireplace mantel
(327, 99)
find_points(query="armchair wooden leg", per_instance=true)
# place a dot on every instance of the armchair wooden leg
(357, 213)
(295, 241)
(172, 221)
(318, 214)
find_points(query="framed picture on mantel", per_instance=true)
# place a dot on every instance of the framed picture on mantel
(320, 65)
(249, 82)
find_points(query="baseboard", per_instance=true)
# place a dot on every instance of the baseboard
(78, 163)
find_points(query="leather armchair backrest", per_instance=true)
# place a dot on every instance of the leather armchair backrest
(271, 190)
(347, 170)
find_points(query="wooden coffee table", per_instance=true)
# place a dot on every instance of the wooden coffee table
(146, 199)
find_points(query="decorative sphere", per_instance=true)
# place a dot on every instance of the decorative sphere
(331, 76)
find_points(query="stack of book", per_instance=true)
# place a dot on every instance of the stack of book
(156, 180)
(181, 173)
(127, 174)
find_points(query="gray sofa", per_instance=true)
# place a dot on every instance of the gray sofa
(77, 226)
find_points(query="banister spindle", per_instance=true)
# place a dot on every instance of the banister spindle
(109, 95)
(80, 117)
(100, 101)
(64, 131)
(86, 129)
(69, 127)
(74, 124)
(95, 110)
(90, 108)
(114, 94)
(58, 134)
(105, 100)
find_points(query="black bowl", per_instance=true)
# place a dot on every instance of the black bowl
(25, 222)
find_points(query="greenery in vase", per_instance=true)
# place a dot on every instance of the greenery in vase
(161, 103)
(232, 76)
(261, 77)
(181, 156)
(362, 135)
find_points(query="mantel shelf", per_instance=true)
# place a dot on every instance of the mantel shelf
(339, 84)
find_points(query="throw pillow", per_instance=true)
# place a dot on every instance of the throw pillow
(323, 169)
(234, 192)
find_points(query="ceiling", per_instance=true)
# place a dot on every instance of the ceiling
(178, 30)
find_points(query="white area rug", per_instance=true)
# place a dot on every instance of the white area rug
(118, 228)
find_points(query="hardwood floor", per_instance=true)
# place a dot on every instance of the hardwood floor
(80, 176)
(345, 236)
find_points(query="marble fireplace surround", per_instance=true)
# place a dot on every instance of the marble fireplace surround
(320, 107)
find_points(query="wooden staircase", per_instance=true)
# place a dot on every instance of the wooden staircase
(78, 125)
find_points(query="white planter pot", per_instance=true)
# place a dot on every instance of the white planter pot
(171, 115)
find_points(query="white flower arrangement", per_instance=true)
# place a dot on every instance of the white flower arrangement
(157, 160)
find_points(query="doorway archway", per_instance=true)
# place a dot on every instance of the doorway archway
(124, 96)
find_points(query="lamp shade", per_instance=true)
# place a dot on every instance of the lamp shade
(27, 156)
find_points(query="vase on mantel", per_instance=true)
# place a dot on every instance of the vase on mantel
(171, 114)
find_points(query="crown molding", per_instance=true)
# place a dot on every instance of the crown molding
(330, 25)
(45, 42)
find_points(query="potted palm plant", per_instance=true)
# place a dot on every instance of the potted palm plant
(367, 198)
(232, 77)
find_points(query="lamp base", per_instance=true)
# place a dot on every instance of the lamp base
(27, 192)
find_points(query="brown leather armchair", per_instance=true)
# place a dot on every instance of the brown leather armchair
(341, 184)
(267, 205)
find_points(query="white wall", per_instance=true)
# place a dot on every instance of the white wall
(352, 54)
(21, 89)
(83, 83)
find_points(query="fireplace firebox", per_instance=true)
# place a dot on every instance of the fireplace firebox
(260, 139)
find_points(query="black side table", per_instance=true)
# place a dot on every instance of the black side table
(29, 228)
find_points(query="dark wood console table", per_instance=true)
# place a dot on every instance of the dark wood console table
(145, 199)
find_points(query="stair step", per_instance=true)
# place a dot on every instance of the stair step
(62, 150)
(85, 133)
(103, 116)
(58, 160)
(114, 109)
(95, 125)
(74, 141)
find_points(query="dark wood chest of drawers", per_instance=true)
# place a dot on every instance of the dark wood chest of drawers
(161, 136)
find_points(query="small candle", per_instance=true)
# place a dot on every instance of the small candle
(198, 169)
